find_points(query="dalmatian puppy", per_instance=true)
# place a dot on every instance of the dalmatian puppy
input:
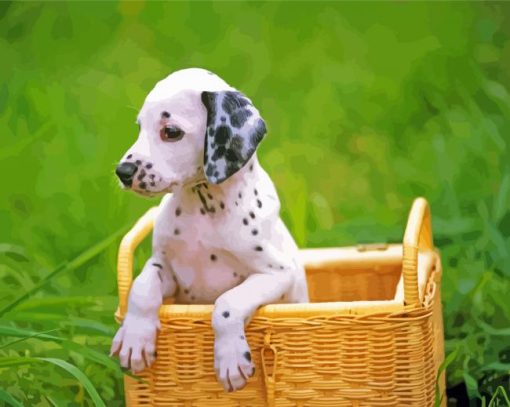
(218, 237)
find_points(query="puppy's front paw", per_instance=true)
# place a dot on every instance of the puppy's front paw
(135, 342)
(232, 361)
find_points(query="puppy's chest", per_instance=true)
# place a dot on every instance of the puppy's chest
(199, 259)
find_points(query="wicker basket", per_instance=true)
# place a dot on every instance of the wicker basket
(371, 336)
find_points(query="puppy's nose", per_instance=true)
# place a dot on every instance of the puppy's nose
(125, 172)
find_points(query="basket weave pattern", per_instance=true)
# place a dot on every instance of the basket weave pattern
(379, 353)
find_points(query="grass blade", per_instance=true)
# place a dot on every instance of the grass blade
(90, 325)
(471, 385)
(11, 401)
(66, 266)
(491, 330)
(58, 302)
(497, 366)
(501, 201)
(82, 350)
(80, 376)
(493, 401)
(24, 335)
(449, 359)
(51, 401)
(73, 370)
(11, 249)
(92, 355)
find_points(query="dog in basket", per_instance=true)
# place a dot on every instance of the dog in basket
(218, 236)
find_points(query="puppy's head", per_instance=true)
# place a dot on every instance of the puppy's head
(192, 126)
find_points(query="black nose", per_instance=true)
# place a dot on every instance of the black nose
(125, 172)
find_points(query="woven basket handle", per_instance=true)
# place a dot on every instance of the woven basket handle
(417, 236)
(129, 243)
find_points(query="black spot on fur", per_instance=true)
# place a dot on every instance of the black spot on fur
(152, 176)
(258, 249)
(165, 115)
(281, 267)
(209, 196)
(270, 266)
(258, 134)
(254, 232)
(192, 297)
(186, 291)
(233, 166)
(222, 135)
(141, 175)
(245, 221)
(238, 118)
(208, 99)
(213, 257)
(233, 156)
(223, 118)
(143, 185)
(282, 297)
(233, 101)
(259, 203)
(237, 144)
(236, 203)
(138, 162)
(226, 314)
(222, 205)
(234, 274)
(247, 355)
(251, 167)
(252, 215)
(148, 166)
(177, 211)
(157, 265)
(202, 211)
(177, 232)
(159, 276)
(210, 169)
(242, 337)
(255, 192)
(240, 195)
(218, 153)
(129, 156)
(152, 184)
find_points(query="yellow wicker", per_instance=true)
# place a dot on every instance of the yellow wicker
(372, 336)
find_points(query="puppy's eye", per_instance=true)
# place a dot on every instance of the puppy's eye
(171, 133)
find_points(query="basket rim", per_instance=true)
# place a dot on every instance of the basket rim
(314, 260)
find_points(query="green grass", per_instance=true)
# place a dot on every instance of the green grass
(368, 105)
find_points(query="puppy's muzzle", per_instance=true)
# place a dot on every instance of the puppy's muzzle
(125, 171)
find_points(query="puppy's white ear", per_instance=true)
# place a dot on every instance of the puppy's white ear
(234, 130)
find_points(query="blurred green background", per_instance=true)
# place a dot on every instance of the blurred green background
(368, 105)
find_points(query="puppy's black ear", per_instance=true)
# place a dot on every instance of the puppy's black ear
(234, 130)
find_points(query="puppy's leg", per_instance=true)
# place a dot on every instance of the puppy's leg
(234, 309)
(135, 341)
